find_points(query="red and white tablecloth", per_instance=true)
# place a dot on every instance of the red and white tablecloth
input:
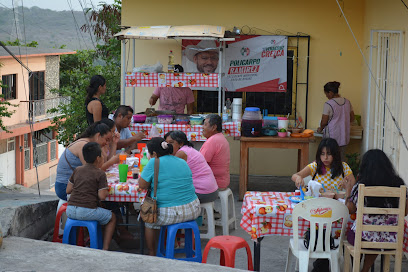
(194, 133)
(171, 80)
(270, 213)
(128, 191)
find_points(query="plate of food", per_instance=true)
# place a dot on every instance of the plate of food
(295, 199)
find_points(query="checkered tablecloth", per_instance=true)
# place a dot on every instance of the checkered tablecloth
(193, 132)
(171, 80)
(123, 191)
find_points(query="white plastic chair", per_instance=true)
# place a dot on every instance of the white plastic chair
(321, 212)
(209, 211)
(227, 204)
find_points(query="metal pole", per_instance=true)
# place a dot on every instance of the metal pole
(134, 60)
(123, 68)
(220, 64)
(307, 78)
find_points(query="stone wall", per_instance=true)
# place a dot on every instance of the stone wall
(52, 66)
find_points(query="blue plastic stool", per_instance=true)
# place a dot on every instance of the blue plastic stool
(94, 229)
(168, 251)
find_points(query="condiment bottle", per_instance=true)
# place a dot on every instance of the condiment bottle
(170, 65)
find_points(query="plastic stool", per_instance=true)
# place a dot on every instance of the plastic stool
(168, 251)
(209, 210)
(56, 237)
(225, 219)
(94, 229)
(228, 246)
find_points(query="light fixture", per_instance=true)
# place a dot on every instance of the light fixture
(236, 30)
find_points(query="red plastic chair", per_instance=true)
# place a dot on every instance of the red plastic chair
(58, 238)
(228, 246)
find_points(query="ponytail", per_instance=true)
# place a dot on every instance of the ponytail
(93, 87)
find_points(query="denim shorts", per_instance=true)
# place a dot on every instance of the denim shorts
(103, 216)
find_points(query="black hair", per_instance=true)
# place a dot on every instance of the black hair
(376, 169)
(108, 122)
(93, 87)
(215, 119)
(123, 110)
(179, 137)
(97, 127)
(91, 151)
(333, 148)
(332, 86)
(155, 145)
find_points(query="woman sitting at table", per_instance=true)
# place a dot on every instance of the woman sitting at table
(328, 169)
(176, 198)
(72, 156)
(376, 170)
(205, 185)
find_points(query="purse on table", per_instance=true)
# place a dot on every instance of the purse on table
(148, 210)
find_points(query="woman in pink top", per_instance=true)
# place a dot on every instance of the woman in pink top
(337, 116)
(203, 179)
(216, 150)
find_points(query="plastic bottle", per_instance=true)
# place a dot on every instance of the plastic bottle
(143, 161)
(122, 156)
(154, 132)
(229, 113)
(225, 114)
(170, 65)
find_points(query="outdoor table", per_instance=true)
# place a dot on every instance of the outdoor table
(301, 144)
(270, 213)
(193, 132)
(128, 191)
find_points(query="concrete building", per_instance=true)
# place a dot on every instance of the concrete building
(31, 92)
(378, 26)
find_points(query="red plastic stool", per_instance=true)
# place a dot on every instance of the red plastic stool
(228, 246)
(58, 238)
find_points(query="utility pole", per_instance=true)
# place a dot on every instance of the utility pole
(16, 4)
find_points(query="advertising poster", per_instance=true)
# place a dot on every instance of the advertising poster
(252, 63)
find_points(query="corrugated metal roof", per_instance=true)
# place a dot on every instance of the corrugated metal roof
(33, 51)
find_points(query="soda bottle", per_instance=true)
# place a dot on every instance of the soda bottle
(225, 114)
(229, 113)
(122, 156)
(143, 161)
(170, 65)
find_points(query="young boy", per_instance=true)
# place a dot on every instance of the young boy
(87, 186)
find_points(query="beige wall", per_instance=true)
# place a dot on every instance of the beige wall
(388, 15)
(10, 66)
(333, 54)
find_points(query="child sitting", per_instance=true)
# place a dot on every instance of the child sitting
(328, 169)
(375, 170)
(88, 185)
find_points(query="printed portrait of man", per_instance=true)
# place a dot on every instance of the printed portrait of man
(204, 55)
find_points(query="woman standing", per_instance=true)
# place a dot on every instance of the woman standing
(205, 185)
(337, 116)
(72, 157)
(94, 107)
(176, 199)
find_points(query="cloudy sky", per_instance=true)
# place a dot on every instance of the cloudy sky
(53, 4)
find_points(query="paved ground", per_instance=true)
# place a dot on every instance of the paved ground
(273, 249)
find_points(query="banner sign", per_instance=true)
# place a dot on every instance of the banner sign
(252, 63)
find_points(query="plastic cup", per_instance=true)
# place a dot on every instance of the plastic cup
(123, 169)
(297, 192)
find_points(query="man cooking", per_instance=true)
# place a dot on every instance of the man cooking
(174, 99)
(204, 55)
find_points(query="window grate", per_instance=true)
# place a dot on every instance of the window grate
(9, 89)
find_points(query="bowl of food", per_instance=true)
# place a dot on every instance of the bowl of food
(165, 119)
(182, 119)
(196, 120)
(139, 118)
(340, 195)
(282, 133)
(328, 194)
(297, 130)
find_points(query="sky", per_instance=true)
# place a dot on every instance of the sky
(58, 5)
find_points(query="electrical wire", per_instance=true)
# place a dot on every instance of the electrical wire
(76, 23)
(87, 23)
(374, 79)
(404, 4)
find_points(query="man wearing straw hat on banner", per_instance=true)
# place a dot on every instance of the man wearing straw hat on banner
(204, 55)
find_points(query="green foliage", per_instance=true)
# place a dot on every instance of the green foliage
(17, 42)
(75, 74)
(353, 160)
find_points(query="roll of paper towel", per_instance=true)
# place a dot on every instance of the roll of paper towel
(236, 109)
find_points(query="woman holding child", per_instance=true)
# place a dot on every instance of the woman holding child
(176, 198)
(72, 157)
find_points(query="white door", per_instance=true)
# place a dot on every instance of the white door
(7, 162)
(385, 93)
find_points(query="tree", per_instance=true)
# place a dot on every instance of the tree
(76, 71)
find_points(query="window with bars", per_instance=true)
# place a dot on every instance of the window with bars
(9, 86)
(37, 85)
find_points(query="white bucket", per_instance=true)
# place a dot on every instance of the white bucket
(283, 124)
(236, 109)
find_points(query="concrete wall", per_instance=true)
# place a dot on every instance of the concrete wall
(333, 54)
(388, 15)
(52, 65)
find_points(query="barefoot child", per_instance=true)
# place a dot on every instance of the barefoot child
(87, 186)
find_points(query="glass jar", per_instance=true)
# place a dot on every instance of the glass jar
(251, 124)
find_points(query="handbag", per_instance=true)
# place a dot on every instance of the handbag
(148, 209)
